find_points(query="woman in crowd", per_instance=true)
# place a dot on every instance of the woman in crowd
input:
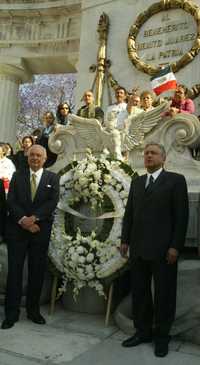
(20, 159)
(147, 99)
(7, 168)
(49, 126)
(62, 113)
(133, 106)
(8, 150)
(180, 102)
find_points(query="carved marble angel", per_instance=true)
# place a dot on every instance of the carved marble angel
(84, 133)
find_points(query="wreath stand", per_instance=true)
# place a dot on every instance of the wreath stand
(54, 297)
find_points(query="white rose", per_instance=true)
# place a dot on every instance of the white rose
(97, 174)
(94, 187)
(90, 257)
(71, 250)
(81, 259)
(89, 268)
(80, 249)
(74, 257)
(80, 270)
(85, 193)
(113, 182)
(107, 178)
(83, 181)
(90, 275)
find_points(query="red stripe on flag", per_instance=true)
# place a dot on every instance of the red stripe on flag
(164, 87)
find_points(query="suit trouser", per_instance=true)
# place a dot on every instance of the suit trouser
(37, 254)
(156, 311)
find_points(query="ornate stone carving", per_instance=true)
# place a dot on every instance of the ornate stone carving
(179, 135)
(25, 31)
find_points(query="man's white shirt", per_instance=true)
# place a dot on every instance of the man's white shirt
(38, 175)
(154, 175)
(121, 113)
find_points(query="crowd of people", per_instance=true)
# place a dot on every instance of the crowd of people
(126, 105)
(154, 224)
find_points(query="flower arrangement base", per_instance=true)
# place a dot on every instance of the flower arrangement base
(87, 301)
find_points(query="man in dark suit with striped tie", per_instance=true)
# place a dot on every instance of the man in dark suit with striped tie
(154, 230)
(32, 199)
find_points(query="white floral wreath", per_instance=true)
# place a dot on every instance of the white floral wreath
(85, 260)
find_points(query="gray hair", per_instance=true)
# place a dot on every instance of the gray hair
(159, 145)
(39, 147)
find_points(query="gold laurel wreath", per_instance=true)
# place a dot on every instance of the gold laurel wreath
(189, 7)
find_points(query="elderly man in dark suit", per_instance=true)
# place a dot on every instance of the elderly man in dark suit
(154, 230)
(2, 210)
(32, 199)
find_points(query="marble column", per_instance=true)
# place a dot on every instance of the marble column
(10, 78)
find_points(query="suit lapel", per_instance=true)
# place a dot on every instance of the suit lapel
(43, 182)
(27, 185)
(157, 183)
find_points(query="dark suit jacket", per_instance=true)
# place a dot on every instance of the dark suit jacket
(2, 209)
(20, 204)
(156, 220)
(99, 114)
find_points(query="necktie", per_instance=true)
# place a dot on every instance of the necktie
(150, 184)
(33, 186)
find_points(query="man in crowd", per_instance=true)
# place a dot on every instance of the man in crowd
(120, 107)
(32, 199)
(154, 230)
(2, 210)
(90, 110)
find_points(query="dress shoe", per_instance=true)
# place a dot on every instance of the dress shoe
(36, 318)
(136, 340)
(6, 324)
(161, 349)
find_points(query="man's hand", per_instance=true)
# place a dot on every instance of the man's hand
(34, 228)
(124, 250)
(27, 222)
(172, 255)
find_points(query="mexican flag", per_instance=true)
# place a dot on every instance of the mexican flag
(163, 81)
